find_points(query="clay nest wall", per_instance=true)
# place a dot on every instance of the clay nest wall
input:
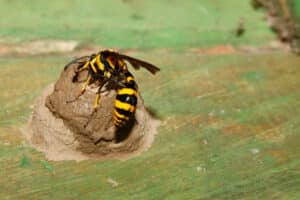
(69, 131)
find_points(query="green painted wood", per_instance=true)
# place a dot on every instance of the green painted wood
(295, 8)
(231, 123)
(133, 23)
(230, 131)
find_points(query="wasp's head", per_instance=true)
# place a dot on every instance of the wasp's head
(114, 60)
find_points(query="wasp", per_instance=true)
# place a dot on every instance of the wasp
(108, 66)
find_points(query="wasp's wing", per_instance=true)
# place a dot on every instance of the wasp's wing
(79, 60)
(136, 63)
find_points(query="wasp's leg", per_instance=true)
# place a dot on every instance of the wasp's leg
(87, 82)
(85, 66)
(96, 102)
(76, 60)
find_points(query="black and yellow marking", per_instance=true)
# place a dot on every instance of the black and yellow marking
(99, 63)
(126, 100)
(92, 64)
(121, 116)
(98, 66)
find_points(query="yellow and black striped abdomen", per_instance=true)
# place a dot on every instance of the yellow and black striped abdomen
(125, 103)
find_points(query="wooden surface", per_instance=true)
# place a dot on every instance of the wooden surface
(231, 117)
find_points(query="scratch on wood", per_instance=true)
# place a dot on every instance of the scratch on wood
(211, 94)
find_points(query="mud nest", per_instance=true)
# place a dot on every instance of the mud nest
(68, 131)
